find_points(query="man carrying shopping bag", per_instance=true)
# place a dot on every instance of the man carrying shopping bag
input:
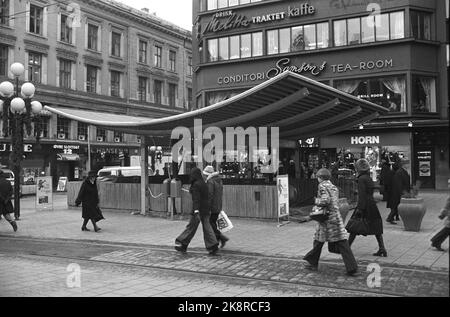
(215, 194)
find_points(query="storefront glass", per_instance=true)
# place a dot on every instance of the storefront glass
(424, 94)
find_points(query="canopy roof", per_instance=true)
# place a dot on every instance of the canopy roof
(299, 106)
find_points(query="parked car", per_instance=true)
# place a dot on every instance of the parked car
(10, 176)
(112, 174)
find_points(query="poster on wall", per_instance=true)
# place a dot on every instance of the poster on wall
(283, 196)
(62, 184)
(44, 193)
(425, 169)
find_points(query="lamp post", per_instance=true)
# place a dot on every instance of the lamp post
(19, 112)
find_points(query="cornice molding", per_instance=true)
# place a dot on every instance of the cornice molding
(88, 59)
(60, 52)
(36, 46)
(7, 39)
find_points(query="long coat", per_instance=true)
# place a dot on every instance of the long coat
(332, 230)
(6, 192)
(367, 205)
(199, 193)
(401, 184)
(215, 193)
(88, 197)
(446, 213)
(386, 181)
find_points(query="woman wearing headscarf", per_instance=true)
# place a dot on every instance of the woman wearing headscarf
(331, 230)
(367, 208)
(88, 197)
(200, 213)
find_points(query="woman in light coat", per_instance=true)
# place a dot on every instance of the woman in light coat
(331, 230)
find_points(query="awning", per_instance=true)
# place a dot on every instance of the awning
(299, 106)
(68, 157)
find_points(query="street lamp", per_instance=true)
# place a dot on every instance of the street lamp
(18, 111)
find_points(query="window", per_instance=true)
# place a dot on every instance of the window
(43, 125)
(142, 89)
(142, 52)
(257, 41)
(189, 98)
(63, 127)
(389, 92)
(309, 32)
(101, 135)
(246, 46)
(36, 18)
(235, 47)
(173, 88)
(272, 42)
(115, 44)
(91, 79)
(189, 70)
(421, 25)
(92, 37)
(220, 4)
(158, 56)
(66, 30)
(368, 29)
(4, 60)
(213, 50)
(284, 39)
(423, 94)
(82, 131)
(4, 12)
(322, 35)
(118, 136)
(115, 83)
(34, 67)
(224, 49)
(157, 91)
(172, 61)
(65, 73)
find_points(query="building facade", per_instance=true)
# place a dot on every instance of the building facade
(99, 56)
(393, 53)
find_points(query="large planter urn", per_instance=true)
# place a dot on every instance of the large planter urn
(344, 208)
(412, 211)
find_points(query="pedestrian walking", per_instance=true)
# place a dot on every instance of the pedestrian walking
(88, 197)
(215, 195)
(331, 230)
(442, 235)
(6, 206)
(386, 176)
(401, 185)
(367, 208)
(200, 214)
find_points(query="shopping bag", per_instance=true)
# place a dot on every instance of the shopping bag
(223, 222)
(333, 247)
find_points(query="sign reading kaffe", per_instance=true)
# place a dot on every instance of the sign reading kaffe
(285, 64)
(235, 21)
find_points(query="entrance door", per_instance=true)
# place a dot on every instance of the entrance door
(424, 167)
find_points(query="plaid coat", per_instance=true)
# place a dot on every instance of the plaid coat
(332, 230)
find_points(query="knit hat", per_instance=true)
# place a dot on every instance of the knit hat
(362, 165)
(208, 170)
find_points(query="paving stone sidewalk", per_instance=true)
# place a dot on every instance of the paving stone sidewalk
(249, 236)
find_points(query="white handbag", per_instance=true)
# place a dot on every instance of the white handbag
(223, 222)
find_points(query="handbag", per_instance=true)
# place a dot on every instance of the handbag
(333, 248)
(224, 223)
(357, 225)
(319, 214)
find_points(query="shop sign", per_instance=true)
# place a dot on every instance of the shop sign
(283, 196)
(309, 143)
(44, 193)
(235, 21)
(281, 66)
(425, 169)
(27, 148)
(67, 149)
(363, 65)
(365, 140)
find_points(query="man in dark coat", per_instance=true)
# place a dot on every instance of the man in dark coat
(386, 176)
(6, 206)
(367, 207)
(401, 185)
(200, 213)
(215, 195)
(88, 196)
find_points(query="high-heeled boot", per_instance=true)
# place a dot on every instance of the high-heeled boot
(84, 228)
(382, 250)
(14, 225)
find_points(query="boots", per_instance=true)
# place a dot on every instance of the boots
(14, 225)
(84, 228)
(96, 229)
(382, 250)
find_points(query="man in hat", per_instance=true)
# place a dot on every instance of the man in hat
(6, 206)
(215, 195)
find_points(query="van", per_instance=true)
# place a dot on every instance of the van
(111, 174)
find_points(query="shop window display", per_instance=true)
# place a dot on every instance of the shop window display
(424, 94)
(389, 92)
